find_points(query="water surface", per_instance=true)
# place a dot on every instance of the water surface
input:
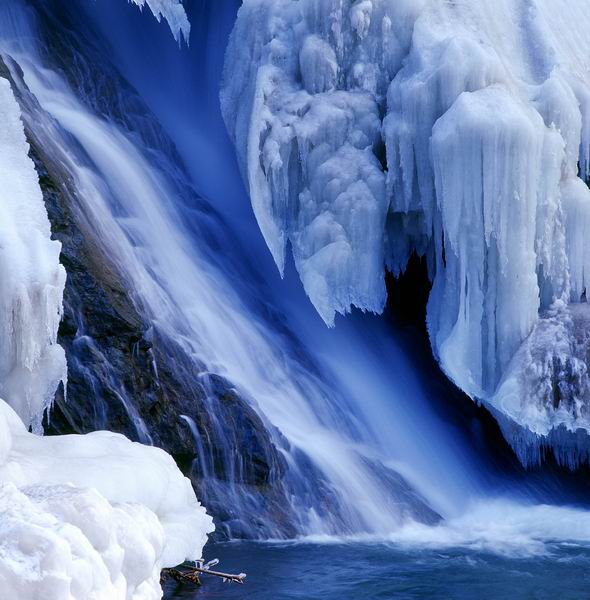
(353, 571)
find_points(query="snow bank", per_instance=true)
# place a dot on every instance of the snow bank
(173, 12)
(91, 517)
(368, 130)
(32, 281)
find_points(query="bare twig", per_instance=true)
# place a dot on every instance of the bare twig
(190, 573)
(180, 576)
(227, 576)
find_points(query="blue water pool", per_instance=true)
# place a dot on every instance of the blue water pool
(380, 571)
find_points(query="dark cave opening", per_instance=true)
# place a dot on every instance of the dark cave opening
(405, 314)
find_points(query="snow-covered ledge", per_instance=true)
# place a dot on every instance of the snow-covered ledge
(367, 130)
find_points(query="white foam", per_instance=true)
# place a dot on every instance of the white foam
(499, 526)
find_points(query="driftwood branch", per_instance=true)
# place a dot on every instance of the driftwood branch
(191, 573)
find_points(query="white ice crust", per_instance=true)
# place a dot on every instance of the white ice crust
(369, 130)
(89, 517)
(543, 400)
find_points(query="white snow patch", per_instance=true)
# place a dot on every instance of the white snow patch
(91, 516)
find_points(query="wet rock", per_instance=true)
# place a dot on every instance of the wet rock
(126, 376)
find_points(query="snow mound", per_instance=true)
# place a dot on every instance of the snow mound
(173, 12)
(91, 517)
(32, 281)
(369, 130)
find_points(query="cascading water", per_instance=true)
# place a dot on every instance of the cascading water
(335, 423)
(185, 100)
(144, 215)
(358, 447)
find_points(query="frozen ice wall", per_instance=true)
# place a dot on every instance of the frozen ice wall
(369, 130)
(32, 281)
(543, 400)
(301, 99)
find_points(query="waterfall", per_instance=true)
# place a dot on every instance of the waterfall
(360, 448)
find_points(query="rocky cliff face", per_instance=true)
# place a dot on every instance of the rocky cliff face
(126, 376)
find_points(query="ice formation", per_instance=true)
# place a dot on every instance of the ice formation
(368, 130)
(92, 516)
(173, 12)
(32, 281)
(544, 398)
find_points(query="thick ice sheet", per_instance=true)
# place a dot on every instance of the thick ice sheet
(368, 130)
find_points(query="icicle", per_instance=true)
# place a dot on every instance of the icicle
(32, 280)
(173, 12)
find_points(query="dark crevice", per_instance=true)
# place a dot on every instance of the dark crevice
(405, 315)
